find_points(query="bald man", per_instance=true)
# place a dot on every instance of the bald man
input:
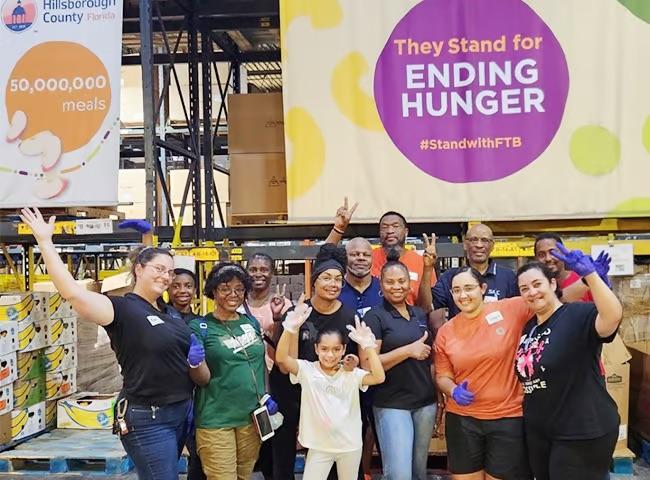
(361, 290)
(501, 282)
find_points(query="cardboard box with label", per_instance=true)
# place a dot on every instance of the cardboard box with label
(262, 173)
(86, 411)
(60, 384)
(31, 335)
(6, 399)
(61, 331)
(8, 369)
(29, 392)
(255, 123)
(60, 357)
(16, 307)
(8, 337)
(27, 421)
(617, 377)
(31, 365)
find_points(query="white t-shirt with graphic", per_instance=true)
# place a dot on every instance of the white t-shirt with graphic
(330, 414)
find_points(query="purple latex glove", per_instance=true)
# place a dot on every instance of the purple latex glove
(141, 226)
(602, 263)
(574, 260)
(461, 395)
(196, 354)
(271, 405)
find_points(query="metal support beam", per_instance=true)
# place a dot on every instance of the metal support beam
(195, 120)
(207, 145)
(243, 57)
(148, 102)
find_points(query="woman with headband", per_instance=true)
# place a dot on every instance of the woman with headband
(151, 342)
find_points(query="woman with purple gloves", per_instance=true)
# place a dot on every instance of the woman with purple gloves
(226, 358)
(571, 421)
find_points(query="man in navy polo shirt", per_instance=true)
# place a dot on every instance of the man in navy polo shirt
(501, 282)
(361, 290)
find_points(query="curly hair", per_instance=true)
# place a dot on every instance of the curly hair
(224, 272)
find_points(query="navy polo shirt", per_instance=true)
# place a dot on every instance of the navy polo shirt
(361, 302)
(501, 282)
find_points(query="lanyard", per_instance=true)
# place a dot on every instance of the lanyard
(248, 359)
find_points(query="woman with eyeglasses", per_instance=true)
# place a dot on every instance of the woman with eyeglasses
(327, 314)
(151, 341)
(474, 356)
(405, 404)
(228, 366)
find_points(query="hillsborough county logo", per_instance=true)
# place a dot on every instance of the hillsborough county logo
(18, 15)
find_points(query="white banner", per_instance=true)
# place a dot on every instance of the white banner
(59, 121)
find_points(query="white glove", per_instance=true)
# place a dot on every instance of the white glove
(361, 334)
(296, 317)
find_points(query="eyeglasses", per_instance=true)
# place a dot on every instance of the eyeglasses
(466, 288)
(331, 280)
(477, 240)
(161, 270)
(225, 291)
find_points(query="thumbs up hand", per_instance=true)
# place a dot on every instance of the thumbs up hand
(419, 349)
(196, 354)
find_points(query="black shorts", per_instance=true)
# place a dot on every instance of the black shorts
(496, 446)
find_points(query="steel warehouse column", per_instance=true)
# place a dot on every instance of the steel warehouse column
(207, 145)
(195, 118)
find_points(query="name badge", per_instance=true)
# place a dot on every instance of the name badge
(493, 317)
(490, 299)
(155, 320)
(414, 276)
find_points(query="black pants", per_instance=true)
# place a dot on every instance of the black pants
(552, 459)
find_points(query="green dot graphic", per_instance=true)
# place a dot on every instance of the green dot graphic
(594, 150)
(640, 8)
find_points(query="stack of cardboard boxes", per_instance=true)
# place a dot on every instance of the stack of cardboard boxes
(38, 347)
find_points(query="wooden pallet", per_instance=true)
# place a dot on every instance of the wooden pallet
(623, 462)
(77, 212)
(87, 452)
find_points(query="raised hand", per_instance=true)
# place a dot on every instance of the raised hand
(277, 301)
(461, 395)
(602, 263)
(575, 260)
(196, 354)
(344, 215)
(429, 256)
(350, 362)
(419, 349)
(361, 334)
(296, 317)
(41, 229)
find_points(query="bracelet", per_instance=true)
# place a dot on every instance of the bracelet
(340, 232)
(194, 366)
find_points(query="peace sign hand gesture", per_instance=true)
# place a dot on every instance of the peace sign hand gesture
(429, 256)
(344, 215)
(277, 301)
(296, 317)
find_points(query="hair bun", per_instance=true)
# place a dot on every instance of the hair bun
(329, 251)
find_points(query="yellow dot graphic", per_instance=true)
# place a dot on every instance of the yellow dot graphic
(594, 150)
(633, 207)
(308, 152)
(645, 134)
(322, 13)
(353, 102)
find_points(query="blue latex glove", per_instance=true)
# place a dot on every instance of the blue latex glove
(461, 395)
(196, 353)
(271, 406)
(574, 260)
(141, 226)
(602, 263)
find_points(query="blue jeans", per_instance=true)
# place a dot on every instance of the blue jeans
(156, 438)
(404, 437)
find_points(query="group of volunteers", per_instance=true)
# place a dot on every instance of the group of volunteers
(380, 350)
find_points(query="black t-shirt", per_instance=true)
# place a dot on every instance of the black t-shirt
(151, 347)
(408, 384)
(317, 322)
(558, 363)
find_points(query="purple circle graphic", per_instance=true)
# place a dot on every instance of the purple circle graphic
(471, 90)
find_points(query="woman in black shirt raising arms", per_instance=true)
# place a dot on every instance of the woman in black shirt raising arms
(151, 341)
(571, 421)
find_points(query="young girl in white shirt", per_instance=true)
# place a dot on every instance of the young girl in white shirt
(330, 415)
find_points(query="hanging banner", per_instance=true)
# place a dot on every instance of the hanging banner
(59, 122)
(449, 110)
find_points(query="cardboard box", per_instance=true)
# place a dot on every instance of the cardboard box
(6, 399)
(30, 365)
(265, 175)
(8, 369)
(27, 421)
(640, 389)
(60, 357)
(29, 392)
(31, 335)
(61, 331)
(86, 411)
(617, 380)
(23, 307)
(8, 337)
(60, 384)
(50, 413)
(255, 123)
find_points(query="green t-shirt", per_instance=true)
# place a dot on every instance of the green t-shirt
(231, 396)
